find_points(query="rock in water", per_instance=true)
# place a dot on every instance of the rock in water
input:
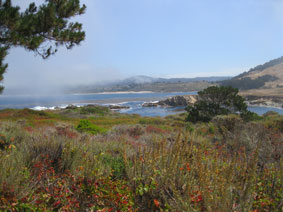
(151, 104)
(174, 101)
(179, 101)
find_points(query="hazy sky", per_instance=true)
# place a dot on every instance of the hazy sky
(160, 38)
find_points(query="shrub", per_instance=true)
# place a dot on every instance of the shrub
(51, 191)
(153, 129)
(87, 126)
(189, 174)
(270, 113)
(229, 122)
(27, 111)
(215, 101)
(250, 116)
(4, 142)
(154, 121)
(94, 109)
(116, 163)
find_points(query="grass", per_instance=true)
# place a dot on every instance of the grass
(72, 161)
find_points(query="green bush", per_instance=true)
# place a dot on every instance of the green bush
(250, 116)
(27, 111)
(215, 101)
(116, 164)
(93, 109)
(154, 121)
(270, 113)
(87, 126)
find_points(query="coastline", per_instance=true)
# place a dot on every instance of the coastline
(115, 92)
(133, 92)
(136, 103)
(265, 106)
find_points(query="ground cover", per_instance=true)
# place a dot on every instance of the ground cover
(93, 159)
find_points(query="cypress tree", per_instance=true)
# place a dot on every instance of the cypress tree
(39, 29)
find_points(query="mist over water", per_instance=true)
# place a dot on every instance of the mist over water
(47, 81)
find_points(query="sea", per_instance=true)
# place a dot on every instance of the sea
(133, 100)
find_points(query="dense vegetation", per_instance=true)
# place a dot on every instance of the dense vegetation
(247, 83)
(54, 161)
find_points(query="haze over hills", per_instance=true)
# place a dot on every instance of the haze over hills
(262, 80)
(146, 83)
(146, 79)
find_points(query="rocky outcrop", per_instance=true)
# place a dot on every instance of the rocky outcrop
(179, 101)
(151, 104)
(71, 107)
(265, 101)
(174, 101)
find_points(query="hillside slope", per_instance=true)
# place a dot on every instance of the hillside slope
(275, 71)
(263, 80)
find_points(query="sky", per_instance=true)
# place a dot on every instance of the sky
(158, 38)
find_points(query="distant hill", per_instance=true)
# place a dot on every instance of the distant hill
(260, 68)
(140, 80)
(146, 83)
(146, 79)
(267, 77)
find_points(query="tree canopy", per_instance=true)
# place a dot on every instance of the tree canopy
(215, 101)
(39, 29)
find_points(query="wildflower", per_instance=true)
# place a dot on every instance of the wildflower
(197, 197)
(57, 203)
(11, 146)
(81, 168)
(156, 202)
(188, 167)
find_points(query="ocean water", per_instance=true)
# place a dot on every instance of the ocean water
(136, 108)
(262, 110)
(133, 100)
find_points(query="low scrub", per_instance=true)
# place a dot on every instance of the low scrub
(94, 109)
(87, 126)
(227, 164)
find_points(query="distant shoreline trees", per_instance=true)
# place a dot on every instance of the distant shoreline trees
(39, 29)
(247, 83)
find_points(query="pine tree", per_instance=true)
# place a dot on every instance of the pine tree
(39, 29)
